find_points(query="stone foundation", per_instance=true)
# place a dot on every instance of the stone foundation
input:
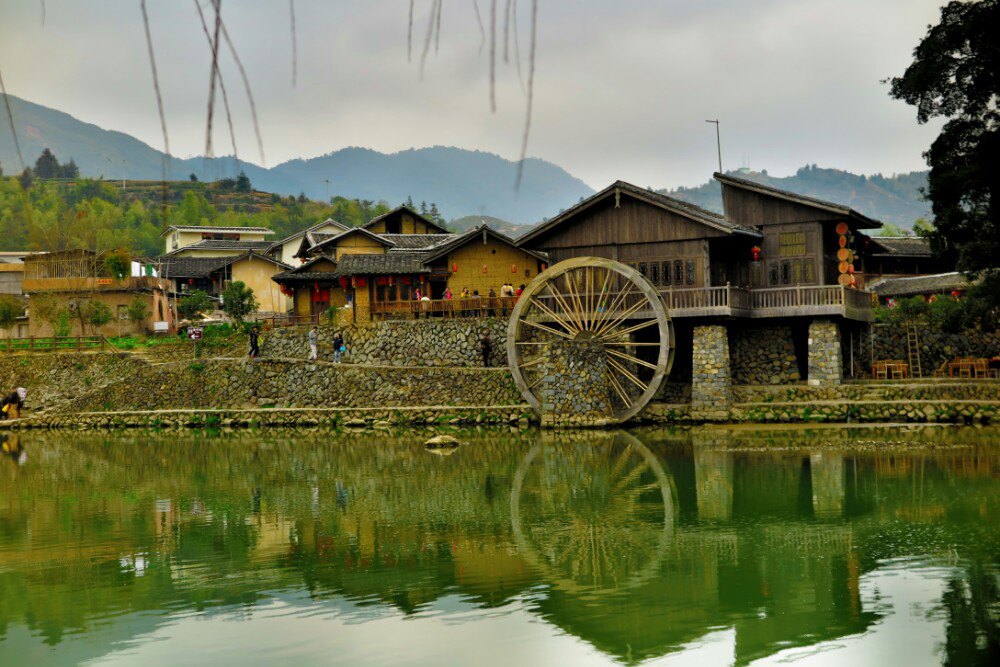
(763, 355)
(575, 391)
(826, 367)
(711, 385)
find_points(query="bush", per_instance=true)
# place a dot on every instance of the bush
(11, 308)
(238, 301)
(192, 304)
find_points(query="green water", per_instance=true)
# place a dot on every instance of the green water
(704, 547)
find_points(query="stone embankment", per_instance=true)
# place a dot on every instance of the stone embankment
(936, 347)
(431, 342)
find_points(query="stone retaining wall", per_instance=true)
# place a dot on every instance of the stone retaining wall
(762, 355)
(436, 342)
(936, 347)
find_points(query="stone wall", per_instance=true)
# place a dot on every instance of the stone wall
(711, 384)
(575, 388)
(825, 363)
(762, 355)
(436, 342)
(936, 347)
(284, 383)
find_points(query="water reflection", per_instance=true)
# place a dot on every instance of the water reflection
(642, 545)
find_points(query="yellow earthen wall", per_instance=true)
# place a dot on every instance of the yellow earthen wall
(256, 274)
(471, 258)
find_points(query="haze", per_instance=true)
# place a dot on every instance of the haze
(622, 89)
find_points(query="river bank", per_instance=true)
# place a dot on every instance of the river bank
(123, 390)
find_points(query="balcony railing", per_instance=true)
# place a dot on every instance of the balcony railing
(92, 284)
(482, 306)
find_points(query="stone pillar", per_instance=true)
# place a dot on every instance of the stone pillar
(575, 391)
(711, 384)
(826, 367)
(713, 481)
(827, 475)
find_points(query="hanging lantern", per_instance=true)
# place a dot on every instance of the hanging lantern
(513, 268)
(955, 293)
(842, 228)
(190, 281)
(345, 282)
(485, 269)
(544, 266)
(454, 267)
(755, 252)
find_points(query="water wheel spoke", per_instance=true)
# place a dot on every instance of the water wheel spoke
(622, 394)
(626, 344)
(609, 330)
(570, 281)
(551, 313)
(601, 301)
(533, 362)
(637, 327)
(629, 357)
(630, 477)
(537, 325)
(620, 461)
(628, 374)
(562, 303)
(616, 303)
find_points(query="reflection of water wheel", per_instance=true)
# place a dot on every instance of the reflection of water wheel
(593, 516)
(594, 299)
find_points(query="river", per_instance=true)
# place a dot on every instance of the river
(704, 546)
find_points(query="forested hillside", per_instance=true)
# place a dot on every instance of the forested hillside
(896, 199)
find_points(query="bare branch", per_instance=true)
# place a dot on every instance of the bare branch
(437, 27)
(531, 91)
(482, 30)
(246, 86)
(506, 30)
(222, 86)
(156, 85)
(429, 37)
(10, 119)
(517, 45)
(409, 36)
(217, 6)
(493, 55)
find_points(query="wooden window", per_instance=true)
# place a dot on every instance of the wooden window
(666, 273)
(810, 270)
(678, 272)
(644, 269)
(797, 271)
(689, 278)
(772, 274)
(654, 273)
(786, 272)
(791, 244)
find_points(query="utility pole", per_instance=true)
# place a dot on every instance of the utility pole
(123, 174)
(718, 141)
(327, 181)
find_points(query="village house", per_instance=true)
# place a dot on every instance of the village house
(214, 241)
(71, 279)
(286, 250)
(213, 274)
(376, 270)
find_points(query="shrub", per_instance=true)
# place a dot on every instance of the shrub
(238, 301)
(192, 304)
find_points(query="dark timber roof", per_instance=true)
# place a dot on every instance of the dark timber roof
(899, 246)
(862, 221)
(353, 230)
(683, 208)
(390, 263)
(201, 267)
(404, 209)
(418, 241)
(933, 284)
(224, 244)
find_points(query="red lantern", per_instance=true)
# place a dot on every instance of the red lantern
(755, 252)
(544, 266)
(345, 282)
(485, 269)
(513, 268)
(382, 280)
(454, 267)
(190, 281)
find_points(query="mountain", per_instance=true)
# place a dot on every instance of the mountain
(896, 199)
(460, 182)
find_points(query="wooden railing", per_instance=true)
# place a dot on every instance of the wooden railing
(708, 300)
(482, 306)
(53, 344)
(276, 321)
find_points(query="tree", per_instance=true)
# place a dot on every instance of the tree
(409, 202)
(11, 308)
(47, 166)
(243, 182)
(193, 177)
(26, 179)
(302, 198)
(954, 76)
(69, 170)
(138, 311)
(192, 304)
(95, 313)
(118, 263)
(923, 227)
(238, 301)
(227, 184)
(889, 229)
(1, 169)
(49, 310)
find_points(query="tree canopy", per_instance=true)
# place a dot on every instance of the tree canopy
(954, 75)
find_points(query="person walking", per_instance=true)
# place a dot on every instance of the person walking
(486, 348)
(338, 347)
(492, 302)
(313, 343)
(254, 343)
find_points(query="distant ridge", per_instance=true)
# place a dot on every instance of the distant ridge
(461, 182)
(896, 199)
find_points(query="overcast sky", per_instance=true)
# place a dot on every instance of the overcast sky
(622, 91)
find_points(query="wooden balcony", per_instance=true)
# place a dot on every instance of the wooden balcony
(798, 301)
(91, 284)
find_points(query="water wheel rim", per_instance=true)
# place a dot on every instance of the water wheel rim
(658, 316)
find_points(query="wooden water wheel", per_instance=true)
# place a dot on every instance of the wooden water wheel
(592, 299)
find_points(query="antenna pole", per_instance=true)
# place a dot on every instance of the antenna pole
(718, 141)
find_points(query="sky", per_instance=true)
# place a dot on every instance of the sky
(622, 89)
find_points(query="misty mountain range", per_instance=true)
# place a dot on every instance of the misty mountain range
(462, 182)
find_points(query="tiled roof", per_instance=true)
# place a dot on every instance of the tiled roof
(933, 284)
(460, 240)
(192, 267)
(400, 209)
(900, 246)
(225, 244)
(418, 241)
(225, 230)
(379, 265)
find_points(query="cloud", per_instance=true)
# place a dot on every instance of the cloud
(623, 89)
